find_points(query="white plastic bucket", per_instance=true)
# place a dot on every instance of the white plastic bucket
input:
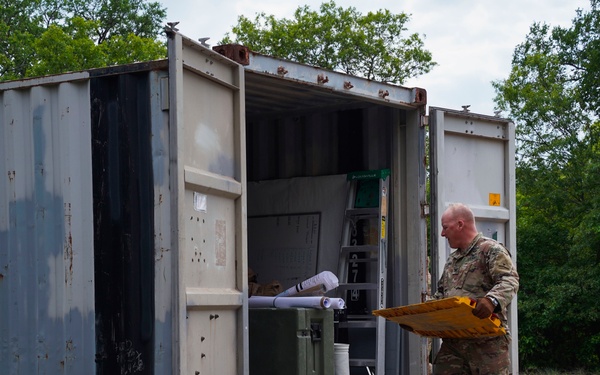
(342, 358)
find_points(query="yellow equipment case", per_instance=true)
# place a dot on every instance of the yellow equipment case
(444, 318)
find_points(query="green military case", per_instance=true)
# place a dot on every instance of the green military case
(293, 341)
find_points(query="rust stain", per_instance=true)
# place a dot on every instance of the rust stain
(420, 96)
(68, 254)
(235, 52)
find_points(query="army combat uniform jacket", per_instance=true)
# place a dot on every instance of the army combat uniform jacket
(483, 269)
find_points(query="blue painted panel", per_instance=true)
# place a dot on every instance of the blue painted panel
(46, 219)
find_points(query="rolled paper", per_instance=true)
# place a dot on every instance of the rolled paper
(337, 303)
(319, 284)
(286, 302)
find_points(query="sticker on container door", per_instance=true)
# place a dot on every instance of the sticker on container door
(199, 202)
(494, 199)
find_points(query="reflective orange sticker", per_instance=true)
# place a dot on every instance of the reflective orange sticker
(494, 199)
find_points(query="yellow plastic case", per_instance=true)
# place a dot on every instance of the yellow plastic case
(444, 318)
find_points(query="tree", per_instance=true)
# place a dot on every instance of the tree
(39, 37)
(552, 94)
(336, 38)
(18, 29)
(119, 17)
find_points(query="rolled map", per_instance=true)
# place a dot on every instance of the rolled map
(319, 284)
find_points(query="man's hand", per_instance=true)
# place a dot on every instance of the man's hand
(484, 308)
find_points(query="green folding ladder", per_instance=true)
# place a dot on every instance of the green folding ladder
(362, 268)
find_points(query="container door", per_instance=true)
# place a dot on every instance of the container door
(473, 162)
(208, 174)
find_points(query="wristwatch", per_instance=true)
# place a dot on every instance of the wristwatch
(494, 301)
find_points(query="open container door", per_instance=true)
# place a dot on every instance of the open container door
(473, 162)
(206, 100)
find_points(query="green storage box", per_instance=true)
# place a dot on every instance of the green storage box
(294, 341)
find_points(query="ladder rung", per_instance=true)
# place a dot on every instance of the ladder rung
(357, 286)
(361, 362)
(360, 249)
(365, 212)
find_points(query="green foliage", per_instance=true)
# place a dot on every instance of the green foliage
(18, 30)
(58, 51)
(336, 38)
(552, 94)
(123, 49)
(39, 37)
(119, 17)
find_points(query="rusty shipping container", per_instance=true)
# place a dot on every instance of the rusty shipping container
(132, 200)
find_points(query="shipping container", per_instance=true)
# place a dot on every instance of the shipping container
(136, 198)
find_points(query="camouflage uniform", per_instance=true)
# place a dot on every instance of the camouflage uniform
(483, 269)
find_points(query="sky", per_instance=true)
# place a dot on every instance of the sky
(471, 40)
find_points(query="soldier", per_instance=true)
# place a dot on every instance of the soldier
(481, 269)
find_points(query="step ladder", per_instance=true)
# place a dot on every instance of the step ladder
(362, 269)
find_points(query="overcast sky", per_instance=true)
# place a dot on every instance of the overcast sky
(471, 40)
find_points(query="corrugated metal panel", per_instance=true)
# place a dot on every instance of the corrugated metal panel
(46, 235)
(163, 254)
(123, 222)
(317, 143)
